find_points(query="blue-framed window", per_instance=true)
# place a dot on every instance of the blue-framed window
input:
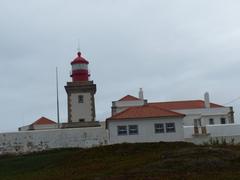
(133, 129)
(159, 128)
(170, 127)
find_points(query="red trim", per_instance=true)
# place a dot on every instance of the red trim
(79, 60)
(80, 75)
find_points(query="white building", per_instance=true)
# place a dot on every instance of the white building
(194, 113)
(200, 112)
(145, 124)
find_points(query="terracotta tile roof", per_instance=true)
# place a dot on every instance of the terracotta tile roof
(43, 121)
(129, 98)
(175, 105)
(145, 111)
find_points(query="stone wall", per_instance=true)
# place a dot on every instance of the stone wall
(39, 140)
(32, 141)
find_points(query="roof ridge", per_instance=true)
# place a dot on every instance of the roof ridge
(43, 118)
(176, 101)
(171, 113)
(165, 110)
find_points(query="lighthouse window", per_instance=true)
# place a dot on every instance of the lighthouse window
(80, 99)
(79, 66)
(81, 120)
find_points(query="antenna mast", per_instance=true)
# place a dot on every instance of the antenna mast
(78, 45)
(57, 98)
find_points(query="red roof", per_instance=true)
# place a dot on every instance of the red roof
(145, 111)
(79, 60)
(193, 104)
(43, 121)
(129, 98)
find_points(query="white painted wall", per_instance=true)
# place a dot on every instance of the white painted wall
(122, 105)
(146, 131)
(227, 132)
(129, 103)
(31, 141)
(216, 130)
(38, 127)
(81, 110)
(45, 126)
(205, 114)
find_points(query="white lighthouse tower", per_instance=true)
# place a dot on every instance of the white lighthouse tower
(80, 91)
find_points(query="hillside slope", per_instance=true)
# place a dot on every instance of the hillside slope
(127, 161)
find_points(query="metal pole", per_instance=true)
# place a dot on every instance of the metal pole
(57, 98)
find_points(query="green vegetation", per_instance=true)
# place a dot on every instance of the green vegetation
(127, 161)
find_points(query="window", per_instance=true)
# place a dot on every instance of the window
(211, 121)
(81, 120)
(80, 99)
(197, 123)
(223, 121)
(170, 127)
(122, 130)
(159, 128)
(132, 129)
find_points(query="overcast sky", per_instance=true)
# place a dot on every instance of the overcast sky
(174, 50)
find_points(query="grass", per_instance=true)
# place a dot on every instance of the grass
(127, 161)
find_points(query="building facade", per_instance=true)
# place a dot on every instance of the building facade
(145, 124)
(196, 111)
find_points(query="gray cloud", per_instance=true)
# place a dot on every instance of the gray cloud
(173, 49)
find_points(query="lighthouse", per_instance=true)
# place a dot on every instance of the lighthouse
(80, 94)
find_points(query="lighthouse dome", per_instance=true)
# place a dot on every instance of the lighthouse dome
(80, 69)
(79, 60)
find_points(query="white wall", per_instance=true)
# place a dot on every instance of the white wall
(38, 127)
(216, 130)
(30, 141)
(81, 110)
(45, 126)
(129, 103)
(146, 131)
(225, 131)
(205, 114)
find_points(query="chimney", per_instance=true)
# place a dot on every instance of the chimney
(140, 95)
(206, 100)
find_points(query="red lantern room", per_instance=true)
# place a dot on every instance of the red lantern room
(79, 69)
